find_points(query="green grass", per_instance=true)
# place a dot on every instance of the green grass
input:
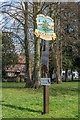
(13, 84)
(20, 102)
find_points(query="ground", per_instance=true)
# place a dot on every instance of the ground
(20, 102)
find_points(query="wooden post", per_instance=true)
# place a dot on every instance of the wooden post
(46, 99)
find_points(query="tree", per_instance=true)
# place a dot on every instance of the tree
(27, 47)
(23, 15)
(45, 25)
(51, 49)
(0, 56)
(68, 58)
(57, 42)
(77, 64)
(37, 65)
(70, 35)
(18, 13)
(9, 56)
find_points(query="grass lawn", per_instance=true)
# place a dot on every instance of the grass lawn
(20, 102)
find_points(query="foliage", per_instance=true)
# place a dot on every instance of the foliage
(9, 56)
(45, 25)
(68, 57)
(77, 64)
(70, 34)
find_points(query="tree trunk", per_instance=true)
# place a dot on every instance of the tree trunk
(57, 50)
(60, 42)
(72, 74)
(66, 75)
(50, 48)
(58, 70)
(41, 50)
(37, 65)
(27, 49)
(37, 60)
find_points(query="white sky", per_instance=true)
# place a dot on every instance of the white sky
(1, 0)
(45, 0)
(1, 16)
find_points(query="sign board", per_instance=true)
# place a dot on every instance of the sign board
(45, 81)
(45, 27)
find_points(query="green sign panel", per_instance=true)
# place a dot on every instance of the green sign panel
(45, 27)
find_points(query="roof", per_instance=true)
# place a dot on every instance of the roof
(21, 59)
(21, 68)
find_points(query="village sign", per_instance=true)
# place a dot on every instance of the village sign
(45, 27)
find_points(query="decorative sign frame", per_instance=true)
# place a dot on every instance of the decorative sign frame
(45, 27)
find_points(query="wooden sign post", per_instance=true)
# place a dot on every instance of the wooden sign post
(46, 100)
(45, 82)
(45, 30)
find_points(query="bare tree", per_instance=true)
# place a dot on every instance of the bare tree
(17, 16)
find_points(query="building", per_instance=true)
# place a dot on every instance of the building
(17, 70)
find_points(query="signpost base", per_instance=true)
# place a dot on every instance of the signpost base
(46, 99)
